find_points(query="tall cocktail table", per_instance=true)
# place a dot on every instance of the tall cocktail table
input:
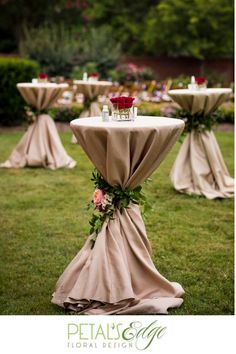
(117, 275)
(40, 146)
(199, 167)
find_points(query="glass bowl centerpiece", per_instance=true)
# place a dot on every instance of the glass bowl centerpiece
(201, 82)
(122, 108)
(42, 78)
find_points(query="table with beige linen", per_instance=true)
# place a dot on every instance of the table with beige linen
(91, 90)
(199, 167)
(41, 144)
(117, 275)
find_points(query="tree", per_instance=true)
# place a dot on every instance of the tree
(196, 28)
(18, 16)
(127, 19)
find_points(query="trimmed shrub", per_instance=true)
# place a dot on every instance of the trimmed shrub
(53, 46)
(13, 71)
(65, 114)
(226, 112)
(130, 73)
(99, 46)
(89, 68)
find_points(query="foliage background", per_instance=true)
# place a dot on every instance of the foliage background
(13, 71)
(194, 28)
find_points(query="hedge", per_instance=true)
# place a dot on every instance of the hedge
(65, 114)
(13, 71)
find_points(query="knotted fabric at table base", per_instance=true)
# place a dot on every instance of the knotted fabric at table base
(200, 169)
(118, 276)
(40, 146)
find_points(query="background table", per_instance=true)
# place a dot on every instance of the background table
(91, 90)
(199, 167)
(41, 144)
(117, 276)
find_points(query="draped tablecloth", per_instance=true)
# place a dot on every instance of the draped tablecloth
(41, 144)
(117, 276)
(91, 90)
(199, 167)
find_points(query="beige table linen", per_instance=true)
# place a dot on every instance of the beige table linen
(199, 167)
(41, 144)
(117, 276)
(91, 90)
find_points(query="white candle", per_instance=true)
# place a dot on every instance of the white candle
(193, 80)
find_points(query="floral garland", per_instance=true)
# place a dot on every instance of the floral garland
(32, 113)
(107, 199)
(198, 122)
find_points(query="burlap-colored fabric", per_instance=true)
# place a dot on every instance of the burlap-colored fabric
(91, 90)
(203, 101)
(118, 276)
(41, 95)
(41, 144)
(199, 167)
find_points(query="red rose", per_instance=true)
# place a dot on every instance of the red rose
(94, 74)
(42, 76)
(200, 80)
(122, 102)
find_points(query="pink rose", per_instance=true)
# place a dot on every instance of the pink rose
(98, 197)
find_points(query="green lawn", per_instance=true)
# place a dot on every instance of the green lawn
(43, 224)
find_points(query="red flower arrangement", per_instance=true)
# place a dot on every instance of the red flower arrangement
(200, 80)
(43, 76)
(122, 102)
(94, 75)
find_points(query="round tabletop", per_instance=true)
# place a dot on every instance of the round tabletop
(205, 91)
(40, 85)
(93, 83)
(139, 123)
(203, 101)
(120, 150)
(41, 95)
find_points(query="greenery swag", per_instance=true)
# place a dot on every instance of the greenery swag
(198, 122)
(32, 113)
(107, 199)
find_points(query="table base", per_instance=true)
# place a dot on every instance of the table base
(117, 276)
(40, 146)
(200, 169)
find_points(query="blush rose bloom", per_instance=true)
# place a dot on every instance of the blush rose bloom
(98, 197)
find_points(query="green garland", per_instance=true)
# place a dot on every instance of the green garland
(115, 198)
(198, 122)
(32, 113)
(87, 103)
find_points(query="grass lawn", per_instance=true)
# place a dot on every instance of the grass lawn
(43, 224)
